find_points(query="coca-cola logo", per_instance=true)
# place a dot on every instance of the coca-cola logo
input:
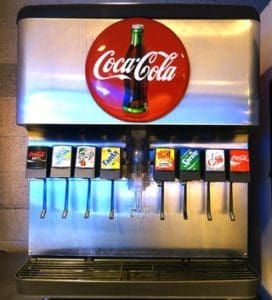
(106, 63)
(239, 160)
(137, 70)
(37, 155)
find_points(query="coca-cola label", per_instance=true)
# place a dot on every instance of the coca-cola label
(239, 160)
(164, 159)
(157, 73)
(215, 160)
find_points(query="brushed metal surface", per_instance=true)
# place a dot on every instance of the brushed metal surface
(139, 236)
(224, 62)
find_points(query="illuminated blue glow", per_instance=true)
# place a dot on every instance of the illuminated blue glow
(70, 107)
(78, 192)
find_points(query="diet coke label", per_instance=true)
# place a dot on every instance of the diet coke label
(135, 74)
(215, 160)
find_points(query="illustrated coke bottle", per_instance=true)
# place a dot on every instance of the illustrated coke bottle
(135, 98)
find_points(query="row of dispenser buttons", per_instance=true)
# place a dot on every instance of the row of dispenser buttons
(190, 163)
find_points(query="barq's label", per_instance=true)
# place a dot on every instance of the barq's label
(110, 158)
(62, 156)
(189, 160)
(85, 157)
(164, 159)
(215, 160)
(239, 160)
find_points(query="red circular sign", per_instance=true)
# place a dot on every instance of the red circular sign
(158, 72)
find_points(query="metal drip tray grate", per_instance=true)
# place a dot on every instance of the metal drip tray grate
(138, 278)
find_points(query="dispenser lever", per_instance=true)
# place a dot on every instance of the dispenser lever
(161, 184)
(88, 205)
(66, 200)
(239, 171)
(231, 209)
(44, 205)
(209, 214)
(185, 214)
(112, 201)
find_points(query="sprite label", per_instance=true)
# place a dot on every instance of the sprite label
(189, 159)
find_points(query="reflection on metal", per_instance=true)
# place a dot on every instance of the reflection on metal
(98, 235)
(224, 92)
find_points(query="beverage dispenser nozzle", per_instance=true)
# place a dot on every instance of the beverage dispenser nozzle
(37, 167)
(85, 167)
(138, 166)
(239, 171)
(61, 168)
(110, 169)
(189, 170)
(215, 171)
(164, 170)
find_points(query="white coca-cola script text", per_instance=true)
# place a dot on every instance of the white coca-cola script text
(140, 67)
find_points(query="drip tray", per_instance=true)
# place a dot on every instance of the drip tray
(138, 278)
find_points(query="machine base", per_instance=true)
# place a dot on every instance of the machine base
(138, 278)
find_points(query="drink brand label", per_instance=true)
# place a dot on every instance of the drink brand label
(85, 157)
(137, 70)
(110, 158)
(239, 160)
(36, 157)
(164, 159)
(215, 160)
(189, 159)
(61, 157)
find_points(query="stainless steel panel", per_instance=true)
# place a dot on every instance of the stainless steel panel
(139, 236)
(222, 89)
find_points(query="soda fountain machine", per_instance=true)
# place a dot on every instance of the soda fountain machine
(138, 161)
